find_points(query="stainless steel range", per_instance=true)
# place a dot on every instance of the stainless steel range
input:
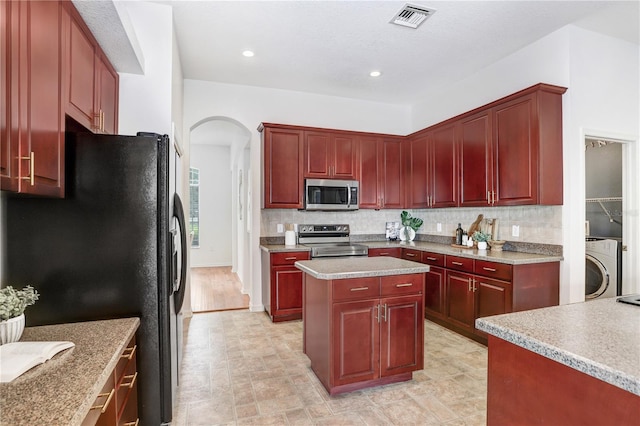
(329, 241)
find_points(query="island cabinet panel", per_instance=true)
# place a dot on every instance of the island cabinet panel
(541, 391)
(373, 334)
(391, 252)
(283, 164)
(282, 285)
(32, 144)
(330, 155)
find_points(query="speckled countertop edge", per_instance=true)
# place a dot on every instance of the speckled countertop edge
(359, 267)
(63, 389)
(507, 257)
(533, 339)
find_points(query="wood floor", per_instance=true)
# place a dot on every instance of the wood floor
(216, 289)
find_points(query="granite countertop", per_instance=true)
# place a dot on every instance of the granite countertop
(508, 257)
(359, 267)
(600, 338)
(62, 390)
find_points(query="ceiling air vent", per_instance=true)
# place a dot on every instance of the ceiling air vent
(412, 16)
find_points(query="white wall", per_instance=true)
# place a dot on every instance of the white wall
(215, 205)
(252, 105)
(602, 76)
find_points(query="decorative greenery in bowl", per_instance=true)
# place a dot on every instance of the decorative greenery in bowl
(13, 302)
(481, 236)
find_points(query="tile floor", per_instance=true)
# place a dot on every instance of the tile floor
(239, 368)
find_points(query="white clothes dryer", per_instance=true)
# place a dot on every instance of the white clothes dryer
(601, 268)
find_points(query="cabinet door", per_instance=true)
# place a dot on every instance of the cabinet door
(392, 178)
(391, 252)
(40, 117)
(460, 304)
(401, 335)
(107, 98)
(475, 160)
(80, 76)
(369, 153)
(344, 156)
(316, 154)
(434, 292)
(287, 291)
(515, 153)
(283, 150)
(8, 100)
(356, 342)
(418, 196)
(443, 176)
(493, 297)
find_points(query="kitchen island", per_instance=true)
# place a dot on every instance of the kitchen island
(363, 320)
(569, 364)
(66, 389)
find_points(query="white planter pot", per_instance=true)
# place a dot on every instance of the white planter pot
(11, 329)
(482, 245)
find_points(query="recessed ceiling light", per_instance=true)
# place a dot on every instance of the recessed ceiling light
(375, 73)
(247, 53)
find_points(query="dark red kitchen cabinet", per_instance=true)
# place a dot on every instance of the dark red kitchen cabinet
(282, 285)
(401, 335)
(283, 164)
(460, 299)
(391, 252)
(418, 171)
(434, 292)
(475, 160)
(443, 176)
(33, 122)
(492, 297)
(369, 153)
(107, 96)
(392, 183)
(329, 155)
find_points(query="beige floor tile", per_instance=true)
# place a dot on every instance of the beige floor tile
(239, 368)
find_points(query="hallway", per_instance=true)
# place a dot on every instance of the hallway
(216, 289)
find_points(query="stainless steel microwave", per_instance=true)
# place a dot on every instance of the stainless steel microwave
(331, 194)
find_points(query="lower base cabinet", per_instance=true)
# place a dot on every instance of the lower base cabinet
(117, 403)
(282, 285)
(370, 328)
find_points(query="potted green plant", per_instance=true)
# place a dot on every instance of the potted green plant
(410, 225)
(481, 238)
(12, 305)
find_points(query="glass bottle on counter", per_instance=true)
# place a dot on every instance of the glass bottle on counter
(459, 235)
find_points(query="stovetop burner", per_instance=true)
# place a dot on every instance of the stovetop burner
(329, 241)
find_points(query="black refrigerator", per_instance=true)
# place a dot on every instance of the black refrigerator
(114, 247)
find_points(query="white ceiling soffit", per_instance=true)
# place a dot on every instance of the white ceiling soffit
(412, 16)
(110, 24)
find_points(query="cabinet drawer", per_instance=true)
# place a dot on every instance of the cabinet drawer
(402, 284)
(500, 271)
(412, 254)
(359, 288)
(459, 263)
(434, 259)
(391, 252)
(288, 258)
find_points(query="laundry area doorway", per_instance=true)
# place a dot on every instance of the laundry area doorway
(218, 170)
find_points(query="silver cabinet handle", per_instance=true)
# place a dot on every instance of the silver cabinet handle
(411, 254)
(457, 263)
(489, 269)
(404, 285)
(358, 288)
(290, 258)
(432, 258)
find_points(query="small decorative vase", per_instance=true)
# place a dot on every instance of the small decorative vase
(407, 233)
(11, 329)
(482, 245)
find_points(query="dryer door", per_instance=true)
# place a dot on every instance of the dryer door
(597, 278)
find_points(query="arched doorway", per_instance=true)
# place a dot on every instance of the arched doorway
(219, 165)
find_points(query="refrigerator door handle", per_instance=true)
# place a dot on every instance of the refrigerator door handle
(179, 285)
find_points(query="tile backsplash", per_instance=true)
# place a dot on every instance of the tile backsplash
(537, 224)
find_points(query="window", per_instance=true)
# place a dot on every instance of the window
(194, 206)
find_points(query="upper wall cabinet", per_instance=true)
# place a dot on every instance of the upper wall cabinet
(282, 150)
(329, 155)
(32, 115)
(90, 86)
(511, 150)
(44, 43)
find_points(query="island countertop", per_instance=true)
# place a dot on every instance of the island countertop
(62, 390)
(358, 267)
(600, 338)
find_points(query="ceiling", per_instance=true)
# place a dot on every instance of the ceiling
(329, 47)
